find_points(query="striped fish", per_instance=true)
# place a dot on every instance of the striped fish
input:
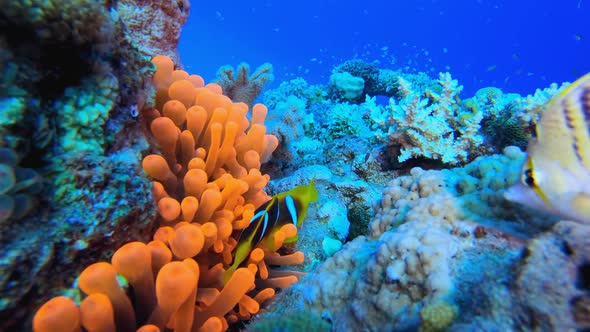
(287, 207)
(555, 176)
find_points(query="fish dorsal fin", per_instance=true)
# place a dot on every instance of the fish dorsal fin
(563, 133)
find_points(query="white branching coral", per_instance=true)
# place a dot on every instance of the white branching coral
(533, 105)
(431, 124)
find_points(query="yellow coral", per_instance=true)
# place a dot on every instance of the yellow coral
(437, 316)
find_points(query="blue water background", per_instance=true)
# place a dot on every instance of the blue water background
(515, 45)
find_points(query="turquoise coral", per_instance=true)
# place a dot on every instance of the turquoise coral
(292, 322)
(13, 109)
(64, 94)
(83, 113)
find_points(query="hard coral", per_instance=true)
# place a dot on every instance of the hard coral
(437, 316)
(431, 124)
(153, 26)
(346, 87)
(367, 71)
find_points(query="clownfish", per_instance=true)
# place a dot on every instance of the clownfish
(287, 207)
(555, 176)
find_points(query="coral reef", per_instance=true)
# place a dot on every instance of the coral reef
(376, 81)
(328, 223)
(205, 188)
(532, 106)
(72, 79)
(383, 81)
(388, 246)
(313, 130)
(424, 248)
(297, 87)
(502, 124)
(433, 253)
(506, 129)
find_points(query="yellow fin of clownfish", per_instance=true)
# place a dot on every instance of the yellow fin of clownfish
(287, 207)
(556, 174)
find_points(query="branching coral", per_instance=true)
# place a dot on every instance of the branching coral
(431, 125)
(243, 88)
(533, 105)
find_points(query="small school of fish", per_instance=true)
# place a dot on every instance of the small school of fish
(555, 176)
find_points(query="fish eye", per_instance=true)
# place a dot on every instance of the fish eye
(528, 178)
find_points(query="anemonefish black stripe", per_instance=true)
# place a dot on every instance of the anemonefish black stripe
(273, 214)
(278, 216)
(257, 216)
